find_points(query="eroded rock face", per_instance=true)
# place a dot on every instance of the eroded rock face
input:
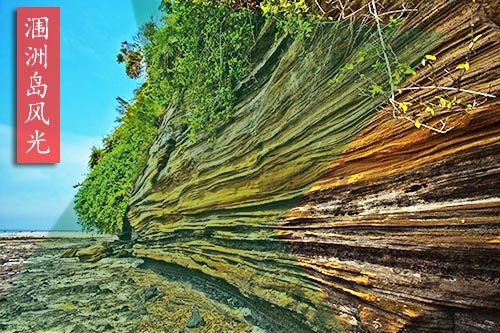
(94, 252)
(318, 211)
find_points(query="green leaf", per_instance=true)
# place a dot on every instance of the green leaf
(362, 53)
(397, 77)
(464, 66)
(376, 89)
(410, 71)
(443, 102)
(403, 106)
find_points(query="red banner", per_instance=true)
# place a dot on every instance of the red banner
(38, 80)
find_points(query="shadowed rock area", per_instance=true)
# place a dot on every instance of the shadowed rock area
(320, 212)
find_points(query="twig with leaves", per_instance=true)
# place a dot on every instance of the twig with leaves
(400, 110)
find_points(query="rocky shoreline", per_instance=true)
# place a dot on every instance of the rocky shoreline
(55, 284)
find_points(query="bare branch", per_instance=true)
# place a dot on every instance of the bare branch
(373, 11)
(321, 9)
(452, 89)
(434, 129)
(398, 11)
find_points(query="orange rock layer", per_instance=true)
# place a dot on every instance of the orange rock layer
(315, 207)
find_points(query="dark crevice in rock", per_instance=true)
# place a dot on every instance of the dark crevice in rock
(273, 319)
(165, 156)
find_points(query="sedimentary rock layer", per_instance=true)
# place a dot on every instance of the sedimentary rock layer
(316, 202)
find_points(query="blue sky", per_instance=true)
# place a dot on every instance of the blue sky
(33, 197)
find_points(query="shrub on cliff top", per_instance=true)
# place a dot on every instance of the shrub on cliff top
(195, 56)
(103, 196)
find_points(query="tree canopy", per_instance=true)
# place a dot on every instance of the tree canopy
(195, 55)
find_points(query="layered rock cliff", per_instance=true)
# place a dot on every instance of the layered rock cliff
(318, 210)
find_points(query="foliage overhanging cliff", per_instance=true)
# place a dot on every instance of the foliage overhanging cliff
(194, 56)
(328, 198)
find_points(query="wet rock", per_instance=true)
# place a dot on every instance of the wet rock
(124, 308)
(141, 310)
(79, 328)
(104, 291)
(148, 294)
(107, 327)
(33, 307)
(124, 253)
(31, 294)
(77, 289)
(195, 320)
(246, 313)
(91, 289)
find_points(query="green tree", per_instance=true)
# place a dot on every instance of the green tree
(103, 196)
(195, 56)
(131, 55)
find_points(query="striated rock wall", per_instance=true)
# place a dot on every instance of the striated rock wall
(319, 211)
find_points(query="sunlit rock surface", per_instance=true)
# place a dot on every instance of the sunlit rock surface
(317, 210)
